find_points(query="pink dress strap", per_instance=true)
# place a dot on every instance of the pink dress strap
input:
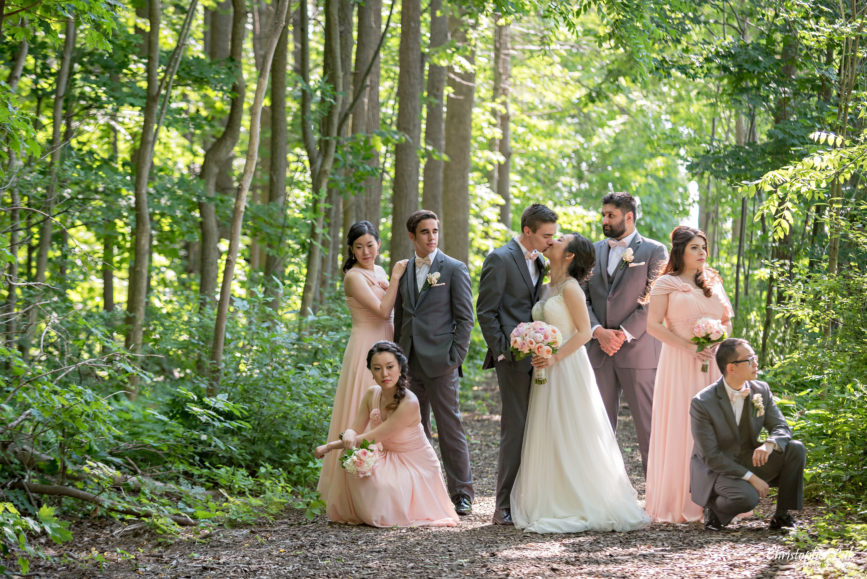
(667, 284)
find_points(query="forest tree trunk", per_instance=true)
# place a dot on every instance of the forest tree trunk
(406, 163)
(459, 129)
(435, 128)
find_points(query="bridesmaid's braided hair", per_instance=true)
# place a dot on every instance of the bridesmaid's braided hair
(680, 238)
(357, 229)
(394, 349)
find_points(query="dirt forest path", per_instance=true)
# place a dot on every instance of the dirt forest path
(295, 547)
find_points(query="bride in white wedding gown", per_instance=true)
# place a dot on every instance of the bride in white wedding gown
(572, 477)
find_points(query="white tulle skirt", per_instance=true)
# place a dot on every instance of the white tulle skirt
(572, 476)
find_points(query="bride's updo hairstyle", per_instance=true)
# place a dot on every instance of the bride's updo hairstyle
(392, 348)
(358, 229)
(680, 238)
(582, 264)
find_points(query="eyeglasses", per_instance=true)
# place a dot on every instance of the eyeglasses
(752, 359)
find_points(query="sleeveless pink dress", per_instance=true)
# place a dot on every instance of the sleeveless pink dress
(678, 378)
(406, 488)
(367, 329)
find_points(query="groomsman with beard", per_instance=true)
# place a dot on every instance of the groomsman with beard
(508, 287)
(433, 318)
(623, 355)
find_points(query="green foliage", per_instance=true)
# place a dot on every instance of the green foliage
(826, 378)
(14, 531)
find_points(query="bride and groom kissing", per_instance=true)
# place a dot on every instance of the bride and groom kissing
(559, 465)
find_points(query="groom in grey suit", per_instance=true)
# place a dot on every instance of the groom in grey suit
(623, 355)
(730, 469)
(433, 318)
(508, 288)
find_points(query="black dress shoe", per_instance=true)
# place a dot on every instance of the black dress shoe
(711, 521)
(463, 505)
(503, 517)
(784, 521)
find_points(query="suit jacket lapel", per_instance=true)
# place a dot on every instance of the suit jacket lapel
(621, 268)
(411, 283)
(603, 265)
(434, 267)
(521, 263)
(755, 421)
(726, 405)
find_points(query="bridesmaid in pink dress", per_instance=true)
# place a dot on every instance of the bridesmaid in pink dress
(406, 488)
(370, 299)
(685, 292)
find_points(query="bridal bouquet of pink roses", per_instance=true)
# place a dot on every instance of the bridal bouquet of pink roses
(535, 339)
(707, 331)
(360, 461)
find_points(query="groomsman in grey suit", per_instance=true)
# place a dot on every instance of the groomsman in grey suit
(508, 288)
(730, 469)
(623, 355)
(433, 318)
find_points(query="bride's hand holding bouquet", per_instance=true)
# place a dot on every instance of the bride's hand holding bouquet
(539, 340)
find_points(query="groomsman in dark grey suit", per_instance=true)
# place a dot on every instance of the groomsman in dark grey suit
(623, 355)
(508, 288)
(730, 469)
(433, 318)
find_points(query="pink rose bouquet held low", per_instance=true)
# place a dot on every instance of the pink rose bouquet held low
(360, 461)
(535, 339)
(707, 331)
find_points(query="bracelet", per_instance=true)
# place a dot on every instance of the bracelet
(340, 436)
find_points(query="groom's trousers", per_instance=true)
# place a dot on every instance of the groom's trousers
(785, 470)
(441, 394)
(513, 379)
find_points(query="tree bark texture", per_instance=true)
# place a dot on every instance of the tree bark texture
(434, 128)
(406, 163)
(456, 171)
(501, 174)
(274, 262)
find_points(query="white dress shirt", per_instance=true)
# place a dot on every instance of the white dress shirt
(530, 256)
(422, 269)
(615, 254)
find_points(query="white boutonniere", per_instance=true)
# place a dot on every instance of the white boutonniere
(431, 279)
(628, 257)
(760, 406)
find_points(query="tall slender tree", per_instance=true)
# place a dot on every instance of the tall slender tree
(274, 261)
(57, 122)
(459, 128)
(320, 151)
(271, 40)
(502, 144)
(227, 24)
(434, 128)
(406, 163)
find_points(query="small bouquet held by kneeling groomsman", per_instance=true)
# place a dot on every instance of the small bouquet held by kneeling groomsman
(535, 339)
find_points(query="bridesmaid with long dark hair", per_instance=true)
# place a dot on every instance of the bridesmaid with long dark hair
(686, 291)
(370, 299)
(406, 487)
